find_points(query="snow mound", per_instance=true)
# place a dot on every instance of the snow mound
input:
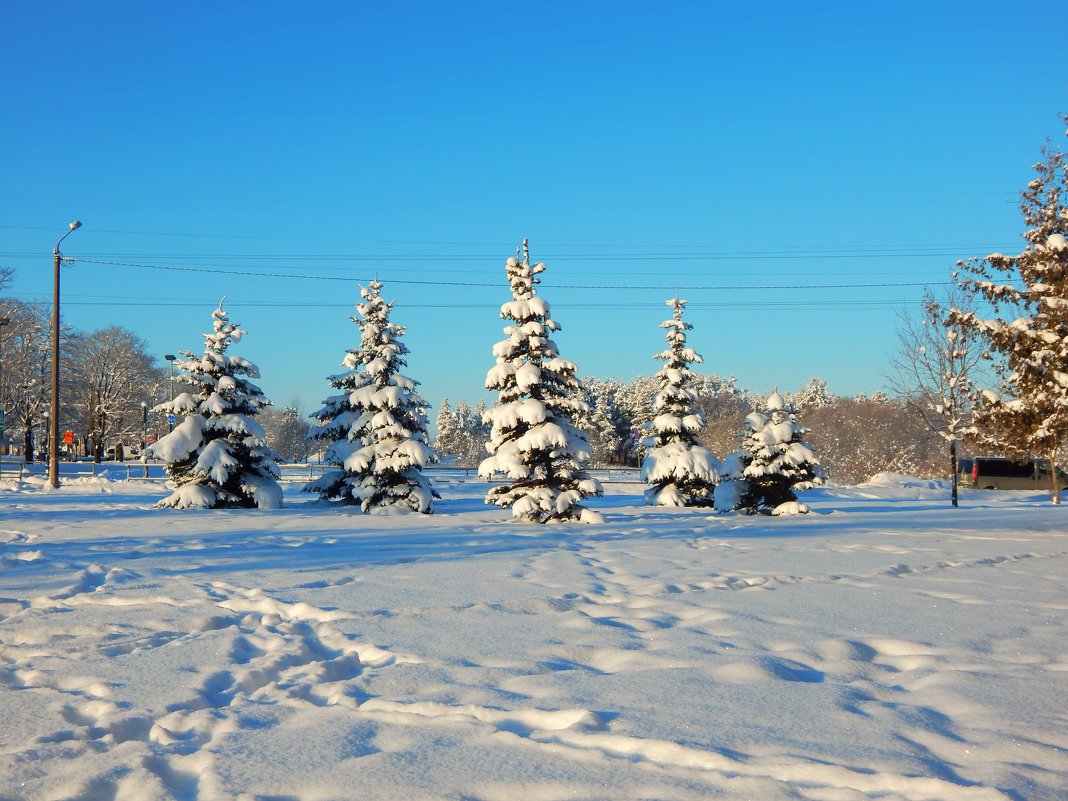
(904, 481)
(40, 483)
(791, 508)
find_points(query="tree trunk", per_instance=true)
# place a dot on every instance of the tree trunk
(27, 445)
(1054, 490)
(953, 469)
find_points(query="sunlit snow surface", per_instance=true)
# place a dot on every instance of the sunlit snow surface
(884, 646)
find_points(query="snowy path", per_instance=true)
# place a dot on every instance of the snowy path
(886, 647)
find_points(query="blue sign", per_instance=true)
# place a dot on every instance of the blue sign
(170, 419)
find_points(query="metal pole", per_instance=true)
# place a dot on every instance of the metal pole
(3, 409)
(53, 421)
(53, 426)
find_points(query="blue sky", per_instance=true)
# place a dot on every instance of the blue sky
(280, 153)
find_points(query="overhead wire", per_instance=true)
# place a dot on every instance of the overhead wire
(792, 255)
(495, 284)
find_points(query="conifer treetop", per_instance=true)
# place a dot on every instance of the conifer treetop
(224, 332)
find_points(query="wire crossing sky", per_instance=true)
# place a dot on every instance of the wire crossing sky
(800, 172)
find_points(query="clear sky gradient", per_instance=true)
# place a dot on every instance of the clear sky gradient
(799, 171)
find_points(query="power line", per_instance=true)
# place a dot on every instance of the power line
(693, 305)
(493, 306)
(948, 253)
(497, 284)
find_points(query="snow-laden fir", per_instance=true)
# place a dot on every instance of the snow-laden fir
(461, 435)
(775, 463)
(375, 430)
(681, 471)
(217, 456)
(533, 441)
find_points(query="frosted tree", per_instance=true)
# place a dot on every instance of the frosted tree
(533, 441)
(445, 436)
(482, 431)
(287, 432)
(1029, 293)
(468, 449)
(775, 463)
(813, 395)
(217, 456)
(681, 471)
(377, 426)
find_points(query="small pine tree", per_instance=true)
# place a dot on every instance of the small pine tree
(377, 427)
(218, 456)
(682, 472)
(533, 441)
(775, 463)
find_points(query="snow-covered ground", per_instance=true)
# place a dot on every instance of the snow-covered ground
(886, 646)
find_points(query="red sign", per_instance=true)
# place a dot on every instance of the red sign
(68, 437)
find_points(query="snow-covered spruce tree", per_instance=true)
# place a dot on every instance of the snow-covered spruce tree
(775, 463)
(217, 455)
(1033, 347)
(445, 436)
(532, 440)
(681, 471)
(377, 427)
(469, 450)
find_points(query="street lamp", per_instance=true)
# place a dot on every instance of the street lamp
(170, 357)
(53, 429)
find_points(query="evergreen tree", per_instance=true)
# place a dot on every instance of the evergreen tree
(533, 441)
(217, 456)
(287, 432)
(482, 429)
(775, 463)
(605, 425)
(446, 435)
(634, 400)
(681, 471)
(1033, 346)
(813, 395)
(467, 449)
(377, 426)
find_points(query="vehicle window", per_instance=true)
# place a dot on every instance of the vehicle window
(1005, 468)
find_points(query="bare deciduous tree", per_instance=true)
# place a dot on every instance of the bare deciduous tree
(109, 373)
(934, 368)
(25, 387)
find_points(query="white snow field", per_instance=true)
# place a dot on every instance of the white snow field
(885, 646)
